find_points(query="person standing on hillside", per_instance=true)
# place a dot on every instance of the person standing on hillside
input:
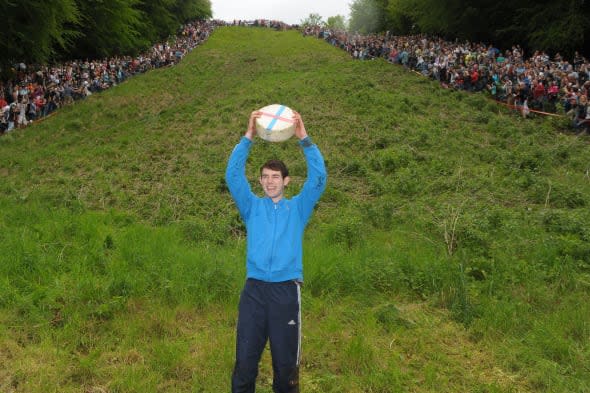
(270, 302)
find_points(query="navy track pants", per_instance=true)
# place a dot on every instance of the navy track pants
(268, 311)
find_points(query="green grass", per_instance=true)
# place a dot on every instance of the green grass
(450, 252)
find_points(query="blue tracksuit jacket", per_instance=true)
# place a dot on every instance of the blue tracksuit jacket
(275, 230)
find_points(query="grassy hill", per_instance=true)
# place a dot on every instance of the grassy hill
(450, 252)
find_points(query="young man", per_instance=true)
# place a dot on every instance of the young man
(270, 303)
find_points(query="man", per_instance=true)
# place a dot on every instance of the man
(270, 306)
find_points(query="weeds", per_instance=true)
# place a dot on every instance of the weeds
(449, 252)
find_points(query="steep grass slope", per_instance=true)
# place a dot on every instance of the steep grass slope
(450, 251)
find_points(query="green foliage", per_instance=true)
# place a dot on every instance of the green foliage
(186, 10)
(336, 22)
(449, 252)
(550, 27)
(161, 20)
(539, 25)
(401, 16)
(40, 31)
(346, 230)
(367, 16)
(110, 27)
(33, 30)
(312, 20)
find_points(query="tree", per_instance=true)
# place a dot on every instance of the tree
(109, 27)
(33, 29)
(161, 22)
(163, 17)
(116, 27)
(38, 31)
(336, 22)
(367, 16)
(186, 10)
(401, 16)
(545, 25)
(312, 20)
(534, 24)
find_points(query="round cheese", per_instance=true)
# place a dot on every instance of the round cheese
(276, 123)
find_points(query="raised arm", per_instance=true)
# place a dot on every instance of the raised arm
(235, 173)
(315, 184)
(251, 131)
(300, 131)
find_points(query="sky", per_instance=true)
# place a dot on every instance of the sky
(288, 11)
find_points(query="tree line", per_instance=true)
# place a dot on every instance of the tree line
(41, 31)
(549, 25)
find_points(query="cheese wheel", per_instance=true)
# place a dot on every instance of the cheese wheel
(276, 123)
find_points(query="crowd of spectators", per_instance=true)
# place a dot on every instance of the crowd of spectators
(34, 92)
(37, 91)
(273, 24)
(534, 84)
(537, 83)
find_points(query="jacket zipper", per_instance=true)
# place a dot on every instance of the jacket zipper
(274, 231)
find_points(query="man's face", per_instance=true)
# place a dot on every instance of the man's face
(273, 183)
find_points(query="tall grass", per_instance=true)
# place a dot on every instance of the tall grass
(449, 252)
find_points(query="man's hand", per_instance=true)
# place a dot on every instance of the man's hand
(251, 132)
(300, 131)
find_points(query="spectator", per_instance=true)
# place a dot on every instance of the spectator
(37, 92)
(581, 118)
(22, 112)
(539, 95)
(507, 76)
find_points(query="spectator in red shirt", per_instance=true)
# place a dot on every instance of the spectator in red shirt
(474, 76)
(539, 90)
(539, 95)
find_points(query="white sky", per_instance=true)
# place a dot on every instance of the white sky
(288, 11)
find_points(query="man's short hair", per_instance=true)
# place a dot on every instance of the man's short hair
(276, 165)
